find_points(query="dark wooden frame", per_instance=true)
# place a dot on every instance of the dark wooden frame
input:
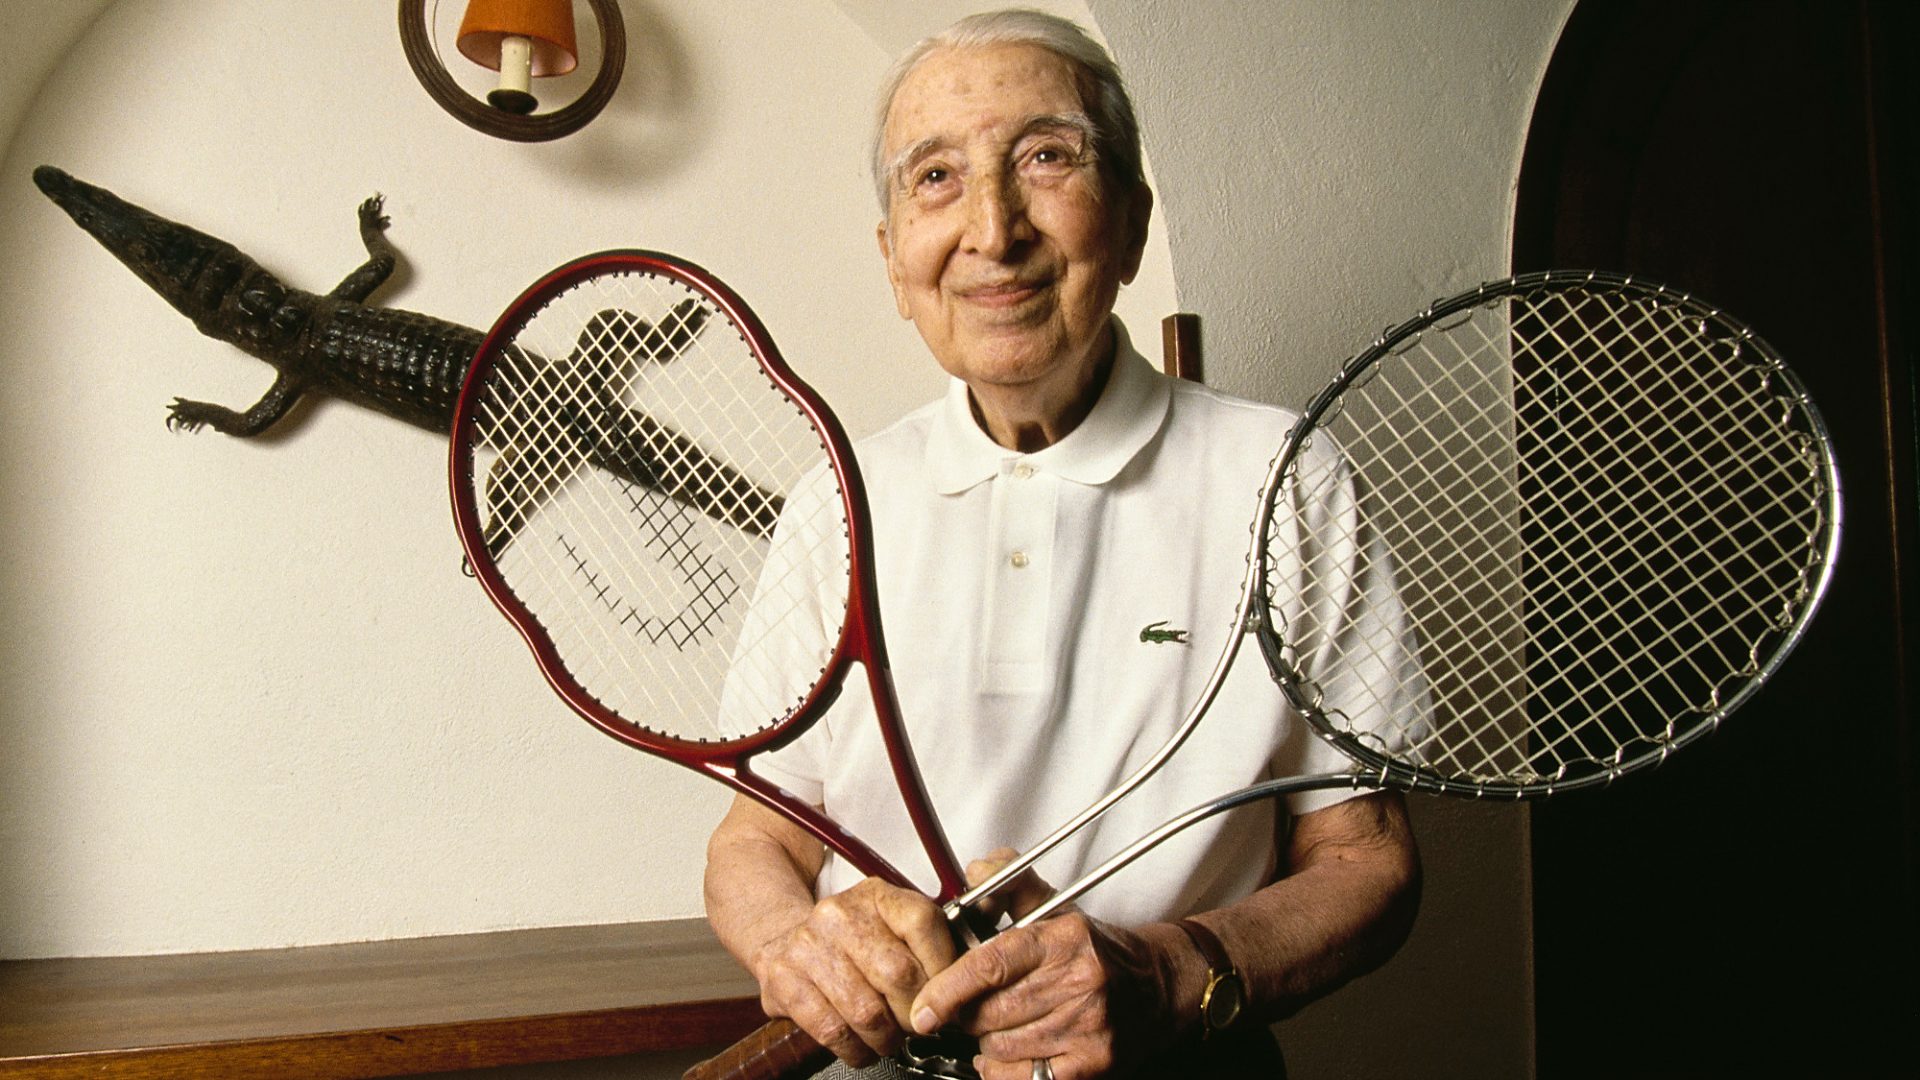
(416, 39)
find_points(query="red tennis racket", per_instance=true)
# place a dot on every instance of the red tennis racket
(676, 525)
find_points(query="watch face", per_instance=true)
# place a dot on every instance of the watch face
(1224, 999)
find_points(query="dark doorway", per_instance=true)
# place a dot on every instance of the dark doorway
(1749, 908)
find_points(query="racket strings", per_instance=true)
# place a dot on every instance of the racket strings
(1546, 536)
(633, 459)
(1443, 451)
(1658, 486)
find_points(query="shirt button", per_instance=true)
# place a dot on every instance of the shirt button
(1023, 471)
(1019, 560)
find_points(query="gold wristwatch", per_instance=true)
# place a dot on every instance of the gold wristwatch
(1226, 993)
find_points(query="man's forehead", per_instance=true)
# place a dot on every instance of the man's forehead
(956, 91)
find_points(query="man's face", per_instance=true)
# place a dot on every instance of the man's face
(1001, 240)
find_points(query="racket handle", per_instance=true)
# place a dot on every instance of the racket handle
(780, 1050)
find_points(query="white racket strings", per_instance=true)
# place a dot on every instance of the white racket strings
(635, 461)
(1603, 511)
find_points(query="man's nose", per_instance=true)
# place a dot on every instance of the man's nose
(997, 216)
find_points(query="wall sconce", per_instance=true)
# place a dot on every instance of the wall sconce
(520, 38)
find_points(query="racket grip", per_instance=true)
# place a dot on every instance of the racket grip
(780, 1050)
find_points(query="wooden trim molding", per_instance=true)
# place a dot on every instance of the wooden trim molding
(390, 1008)
(1180, 346)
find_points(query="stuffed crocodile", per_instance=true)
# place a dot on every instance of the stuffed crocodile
(401, 363)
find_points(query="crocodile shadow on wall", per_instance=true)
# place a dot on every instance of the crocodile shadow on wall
(401, 363)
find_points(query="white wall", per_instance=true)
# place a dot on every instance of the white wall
(255, 702)
(250, 699)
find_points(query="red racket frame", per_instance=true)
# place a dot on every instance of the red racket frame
(861, 639)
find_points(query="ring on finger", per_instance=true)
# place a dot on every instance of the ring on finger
(1042, 1069)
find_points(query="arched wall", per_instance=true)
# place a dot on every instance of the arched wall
(251, 699)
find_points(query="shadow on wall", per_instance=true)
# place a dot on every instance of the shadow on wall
(652, 127)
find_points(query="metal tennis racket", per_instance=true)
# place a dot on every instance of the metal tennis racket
(1594, 515)
(676, 525)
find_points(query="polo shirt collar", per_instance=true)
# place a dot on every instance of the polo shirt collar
(1131, 408)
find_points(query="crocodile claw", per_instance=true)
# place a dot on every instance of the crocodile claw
(185, 415)
(372, 215)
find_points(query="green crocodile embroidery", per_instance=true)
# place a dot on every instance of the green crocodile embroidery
(1154, 634)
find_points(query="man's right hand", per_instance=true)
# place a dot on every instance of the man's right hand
(850, 970)
(847, 968)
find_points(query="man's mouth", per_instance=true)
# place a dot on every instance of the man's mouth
(1002, 294)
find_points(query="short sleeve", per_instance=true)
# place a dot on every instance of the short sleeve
(790, 633)
(1336, 605)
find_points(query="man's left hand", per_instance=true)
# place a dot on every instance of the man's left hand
(1089, 996)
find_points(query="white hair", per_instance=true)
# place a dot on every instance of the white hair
(1116, 134)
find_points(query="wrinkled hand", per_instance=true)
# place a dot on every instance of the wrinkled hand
(1087, 995)
(848, 973)
(1019, 895)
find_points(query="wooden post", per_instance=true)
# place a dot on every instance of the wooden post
(1180, 346)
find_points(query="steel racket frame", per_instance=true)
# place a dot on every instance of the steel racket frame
(1380, 770)
(1387, 771)
(861, 640)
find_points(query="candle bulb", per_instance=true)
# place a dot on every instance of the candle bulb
(515, 92)
(522, 40)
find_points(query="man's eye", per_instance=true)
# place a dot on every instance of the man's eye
(1051, 156)
(931, 177)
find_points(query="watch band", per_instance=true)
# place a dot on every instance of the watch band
(1225, 995)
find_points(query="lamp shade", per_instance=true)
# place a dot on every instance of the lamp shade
(548, 24)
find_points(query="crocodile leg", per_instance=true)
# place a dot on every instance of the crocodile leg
(677, 331)
(641, 450)
(523, 479)
(185, 415)
(381, 258)
(615, 334)
(507, 503)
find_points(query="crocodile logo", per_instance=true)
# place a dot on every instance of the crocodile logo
(1158, 634)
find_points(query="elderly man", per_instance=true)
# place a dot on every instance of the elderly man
(1062, 496)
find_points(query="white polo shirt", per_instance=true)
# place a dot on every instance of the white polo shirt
(1016, 592)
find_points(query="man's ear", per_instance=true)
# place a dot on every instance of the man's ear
(893, 279)
(1139, 210)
